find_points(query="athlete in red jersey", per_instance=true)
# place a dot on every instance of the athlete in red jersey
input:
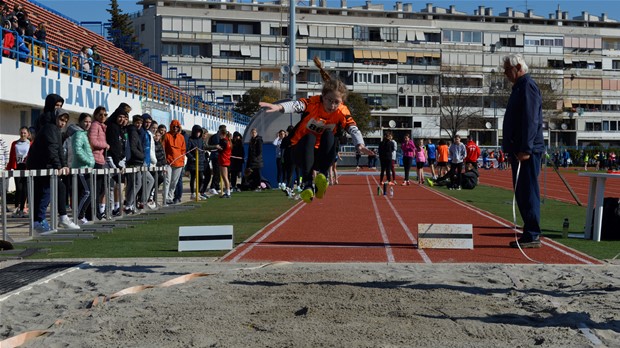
(312, 140)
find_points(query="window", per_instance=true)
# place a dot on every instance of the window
(363, 77)
(245, 29)
(266, 76)
(241, 75)
(276, 31)
(508, 41)
(544, 41)
(402, 101)
(613, 126)
(462, 36)
(432, 37)
(169, 49)
(615, 64)
(230, 54)
(223, 27)
(361, 33)
(331, 55)
(185, 49)
(593, 126)
(605, 125)
(315, 77)
(419, 101)
(417, 124)
(190, 50)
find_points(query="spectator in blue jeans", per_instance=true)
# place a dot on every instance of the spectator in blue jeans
(46, 153)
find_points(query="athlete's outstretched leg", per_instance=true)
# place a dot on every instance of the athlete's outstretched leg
(303, 153)
(323, 160)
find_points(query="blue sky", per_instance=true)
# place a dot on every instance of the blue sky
(95, 10)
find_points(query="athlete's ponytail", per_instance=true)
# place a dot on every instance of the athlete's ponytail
(330, 84)
(324, 75)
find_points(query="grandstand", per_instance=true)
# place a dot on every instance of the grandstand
(120, 73)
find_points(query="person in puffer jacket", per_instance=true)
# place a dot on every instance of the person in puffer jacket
(134, 154)
(80, 156)
(195, 142)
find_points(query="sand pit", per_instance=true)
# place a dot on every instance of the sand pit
(328, 305)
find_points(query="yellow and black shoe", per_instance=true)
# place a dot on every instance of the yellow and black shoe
(321, 183)
(307, 195)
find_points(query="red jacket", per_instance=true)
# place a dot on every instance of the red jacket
(174, 146)
(8, 42)
(473, 152)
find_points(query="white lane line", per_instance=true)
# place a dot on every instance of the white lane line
(406, 228)
(386, 241)
(495, 219)
(295, 210)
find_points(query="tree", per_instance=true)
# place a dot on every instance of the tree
(121, 32)
(458, 101)
(360, 112)
(248, 105)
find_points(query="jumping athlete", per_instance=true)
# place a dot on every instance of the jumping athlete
(312, 140)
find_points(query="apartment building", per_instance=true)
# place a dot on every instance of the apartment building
(404, 61)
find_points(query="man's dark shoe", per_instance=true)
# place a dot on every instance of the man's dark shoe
(526, 242)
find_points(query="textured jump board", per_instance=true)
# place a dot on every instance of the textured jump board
(22, 274)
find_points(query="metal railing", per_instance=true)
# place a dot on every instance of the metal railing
(94, 175)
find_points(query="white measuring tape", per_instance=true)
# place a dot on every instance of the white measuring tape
(514, 216)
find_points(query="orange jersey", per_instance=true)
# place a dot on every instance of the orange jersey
(442, 153)
(316, 120)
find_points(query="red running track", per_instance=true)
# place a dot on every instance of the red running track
(353, 224)
(551, 185)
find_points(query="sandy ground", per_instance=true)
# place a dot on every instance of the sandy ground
(320, 305)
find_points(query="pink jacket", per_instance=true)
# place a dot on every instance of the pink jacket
(96, 136)
(408, 148)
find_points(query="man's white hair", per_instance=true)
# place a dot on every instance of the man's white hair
(515, 59)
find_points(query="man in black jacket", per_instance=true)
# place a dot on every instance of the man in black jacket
(211, 145)
(255, 157)
(134, 158)
(46, 153)
(115, 137)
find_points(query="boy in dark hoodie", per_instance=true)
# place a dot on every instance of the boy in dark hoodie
(115, 137)
(195, 142)
(46, 153)
(134, 158)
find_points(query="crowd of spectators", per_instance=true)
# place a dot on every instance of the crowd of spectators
(121, 141)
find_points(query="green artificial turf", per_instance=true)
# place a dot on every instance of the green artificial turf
(248, 212)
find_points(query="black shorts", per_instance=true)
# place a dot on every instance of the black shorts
(419, 165)
(442, 164)
(431, 161)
